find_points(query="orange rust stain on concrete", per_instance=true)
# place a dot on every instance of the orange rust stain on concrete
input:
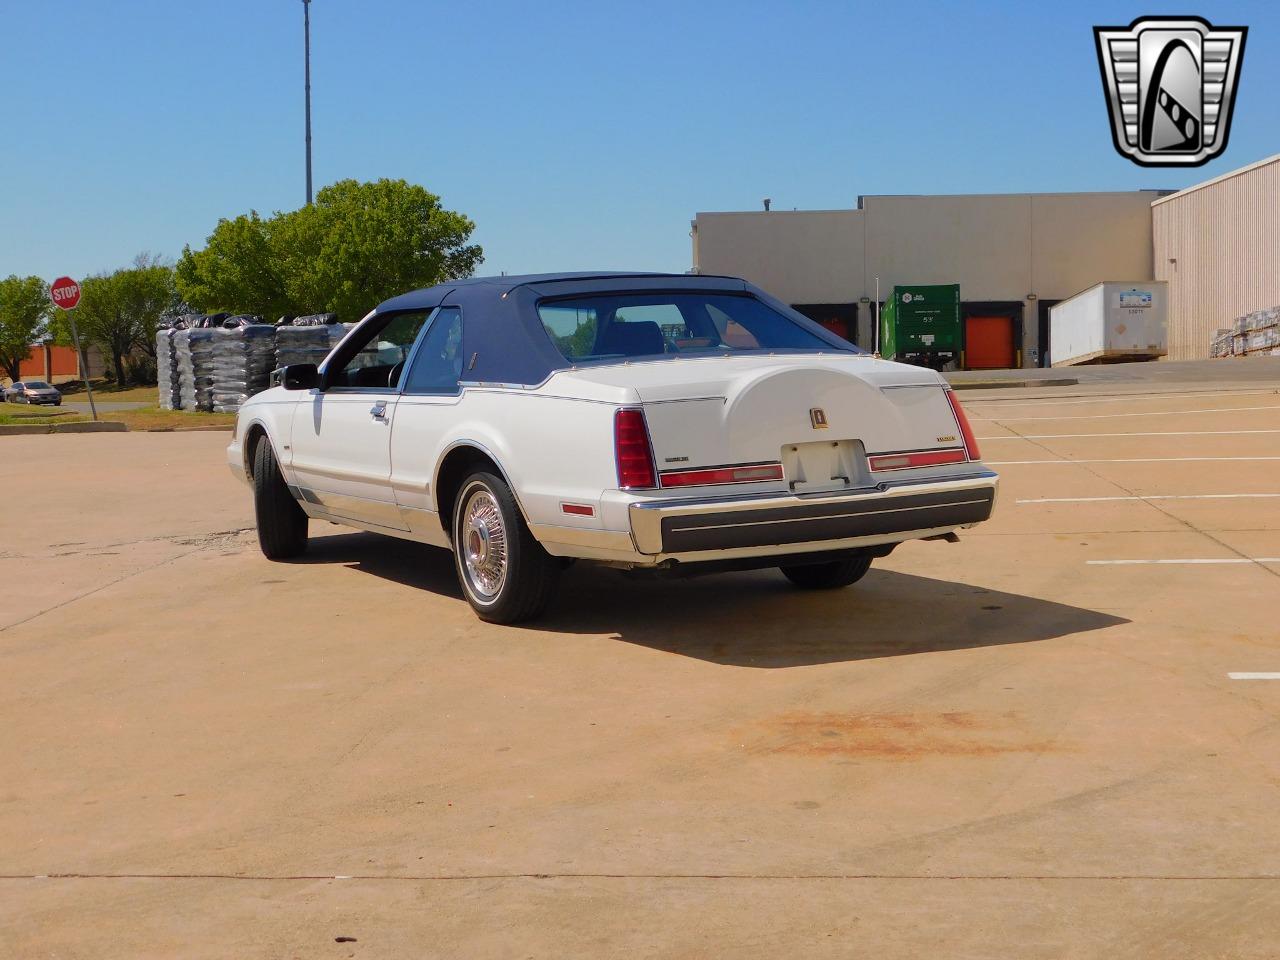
(899, 736)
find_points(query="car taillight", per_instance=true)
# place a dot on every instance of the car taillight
(966, 431)
(698, 478)
(912, 461)
(631, 451)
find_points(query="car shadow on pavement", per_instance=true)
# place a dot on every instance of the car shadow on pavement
(400, 561)
(758, 619)
(748, 619)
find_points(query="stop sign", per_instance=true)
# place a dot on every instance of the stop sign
(65, 293)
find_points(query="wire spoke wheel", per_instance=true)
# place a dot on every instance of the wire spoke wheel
(484, 544)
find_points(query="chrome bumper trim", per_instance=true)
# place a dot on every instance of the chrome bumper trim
(783, 511)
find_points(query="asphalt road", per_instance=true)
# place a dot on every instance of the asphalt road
(1028, 744)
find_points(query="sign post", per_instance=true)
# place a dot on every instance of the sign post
(65, 294)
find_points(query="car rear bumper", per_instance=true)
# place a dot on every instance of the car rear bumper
(791, 522)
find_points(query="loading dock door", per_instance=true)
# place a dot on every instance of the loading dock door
(989, 343)
(840, 318)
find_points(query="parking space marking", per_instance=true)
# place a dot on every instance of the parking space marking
(1123, 460)
(1253, 675)
(1157, 433)
(1149, 413)
(1180, 496)
(1124, 398)
(1201, 560)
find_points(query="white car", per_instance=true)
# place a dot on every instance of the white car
(652, 422)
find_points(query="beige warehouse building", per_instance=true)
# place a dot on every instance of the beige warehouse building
(1218, 246)
(1013, 255)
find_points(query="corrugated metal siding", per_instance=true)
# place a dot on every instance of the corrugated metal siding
(1225, 239)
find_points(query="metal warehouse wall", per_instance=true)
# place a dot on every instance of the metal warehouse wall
(1218, 245)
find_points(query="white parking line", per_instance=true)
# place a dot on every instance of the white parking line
(1134, 563)
(1108, 416)
(1252, 675)
(1158, 433)
(1123, 398)
(1018, 463)
(1181, 496)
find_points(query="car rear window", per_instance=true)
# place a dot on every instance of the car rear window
(617, 326)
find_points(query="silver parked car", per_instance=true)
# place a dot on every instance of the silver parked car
(34, 391)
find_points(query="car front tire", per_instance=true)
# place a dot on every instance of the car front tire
(505, 573)
(282, 525)
(828, 576)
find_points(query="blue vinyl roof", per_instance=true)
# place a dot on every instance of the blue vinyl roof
(503, 337)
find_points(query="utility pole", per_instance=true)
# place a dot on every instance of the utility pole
(876, 340)
(306, 43)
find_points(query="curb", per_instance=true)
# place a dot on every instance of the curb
(1003, 384)
(86, 426)
(203, 428)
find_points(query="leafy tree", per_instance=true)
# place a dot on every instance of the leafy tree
(119, 311)
(358, 244)
(24, 308)
(237, 271)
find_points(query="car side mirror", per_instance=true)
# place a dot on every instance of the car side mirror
(299, 376)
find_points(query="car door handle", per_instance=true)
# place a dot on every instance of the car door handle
(379, 410)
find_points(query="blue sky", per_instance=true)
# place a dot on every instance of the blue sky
(576, 135)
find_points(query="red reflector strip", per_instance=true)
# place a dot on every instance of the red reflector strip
(701, 478)
(578, 509)
(909, 461)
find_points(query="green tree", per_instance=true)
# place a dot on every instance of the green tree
(236, 272)
(119, 311)
(358, 244)
(24, 308)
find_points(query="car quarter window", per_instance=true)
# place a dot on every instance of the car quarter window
(437, 366)
(379, 358)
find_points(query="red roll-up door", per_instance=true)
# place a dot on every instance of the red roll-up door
(989, 343)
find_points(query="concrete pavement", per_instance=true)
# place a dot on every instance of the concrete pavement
(1007, 747)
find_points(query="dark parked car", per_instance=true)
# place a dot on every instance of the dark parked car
(34, 391)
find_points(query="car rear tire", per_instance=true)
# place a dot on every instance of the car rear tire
(828, 576)
(505, 574)
(282, 525)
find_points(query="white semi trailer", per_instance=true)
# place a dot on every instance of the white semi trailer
(1116, 320)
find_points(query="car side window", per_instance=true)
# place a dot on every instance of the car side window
(379, 361)
(437, 366)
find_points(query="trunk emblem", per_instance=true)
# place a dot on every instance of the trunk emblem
(818, 418)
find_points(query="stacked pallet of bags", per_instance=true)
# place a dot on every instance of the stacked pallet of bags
(1255, 334)
(244, 354)
(167, 366)
(194, 348)
(308, 339)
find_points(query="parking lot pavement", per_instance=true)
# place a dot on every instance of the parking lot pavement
(1026, 744)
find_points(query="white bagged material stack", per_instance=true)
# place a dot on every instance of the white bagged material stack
(1255, 334)
(304, 341)
(167, 369)
(243, 358)
(195, 368)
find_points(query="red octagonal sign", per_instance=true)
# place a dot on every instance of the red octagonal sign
(65, 293)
